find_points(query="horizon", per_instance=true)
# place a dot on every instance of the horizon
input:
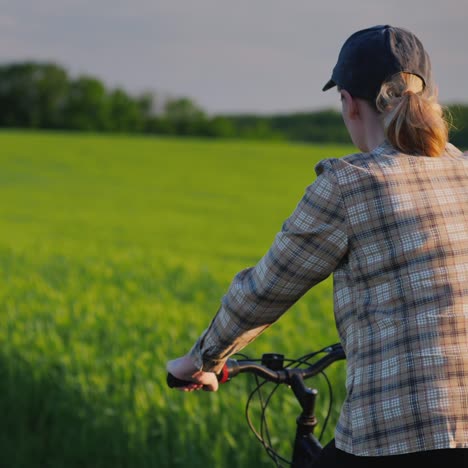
(265, 58)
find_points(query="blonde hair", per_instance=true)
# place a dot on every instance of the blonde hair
(414, 122)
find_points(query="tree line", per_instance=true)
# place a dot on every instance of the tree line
(44, 96)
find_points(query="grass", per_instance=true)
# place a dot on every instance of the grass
(114, 254)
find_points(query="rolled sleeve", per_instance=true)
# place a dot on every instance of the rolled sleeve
(309, 247)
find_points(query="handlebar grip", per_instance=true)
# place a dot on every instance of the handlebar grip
(174, 382)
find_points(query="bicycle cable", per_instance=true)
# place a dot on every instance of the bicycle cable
(263, 435)
(267, 444)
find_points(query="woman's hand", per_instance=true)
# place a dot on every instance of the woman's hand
(183, 368)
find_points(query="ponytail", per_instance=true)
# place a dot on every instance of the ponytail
(413, 120)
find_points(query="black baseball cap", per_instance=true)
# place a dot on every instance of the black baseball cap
(371, 56)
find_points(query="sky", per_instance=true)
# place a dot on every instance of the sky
(243, 56)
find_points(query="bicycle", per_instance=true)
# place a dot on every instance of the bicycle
(275, 368)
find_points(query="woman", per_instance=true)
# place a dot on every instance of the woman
(391, 224)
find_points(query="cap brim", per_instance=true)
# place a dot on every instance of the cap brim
(329, 85)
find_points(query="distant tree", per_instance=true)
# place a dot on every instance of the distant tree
(185, 116)
(182, 109)
(319, 126)
(459, 129)
(52, 88)
(146, 104)
(88, 105)
(32, 95)
(221, 127)
(158, 125)
(260, 129)
(125, 113)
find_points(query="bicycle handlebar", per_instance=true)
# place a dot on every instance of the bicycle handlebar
(272, 369)
(233, 367)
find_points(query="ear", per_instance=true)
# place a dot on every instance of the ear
(350, 105)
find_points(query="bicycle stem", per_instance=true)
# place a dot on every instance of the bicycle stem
(306, 397)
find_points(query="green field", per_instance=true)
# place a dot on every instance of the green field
(114, 254)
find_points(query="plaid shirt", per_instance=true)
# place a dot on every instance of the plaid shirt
(393, 230)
